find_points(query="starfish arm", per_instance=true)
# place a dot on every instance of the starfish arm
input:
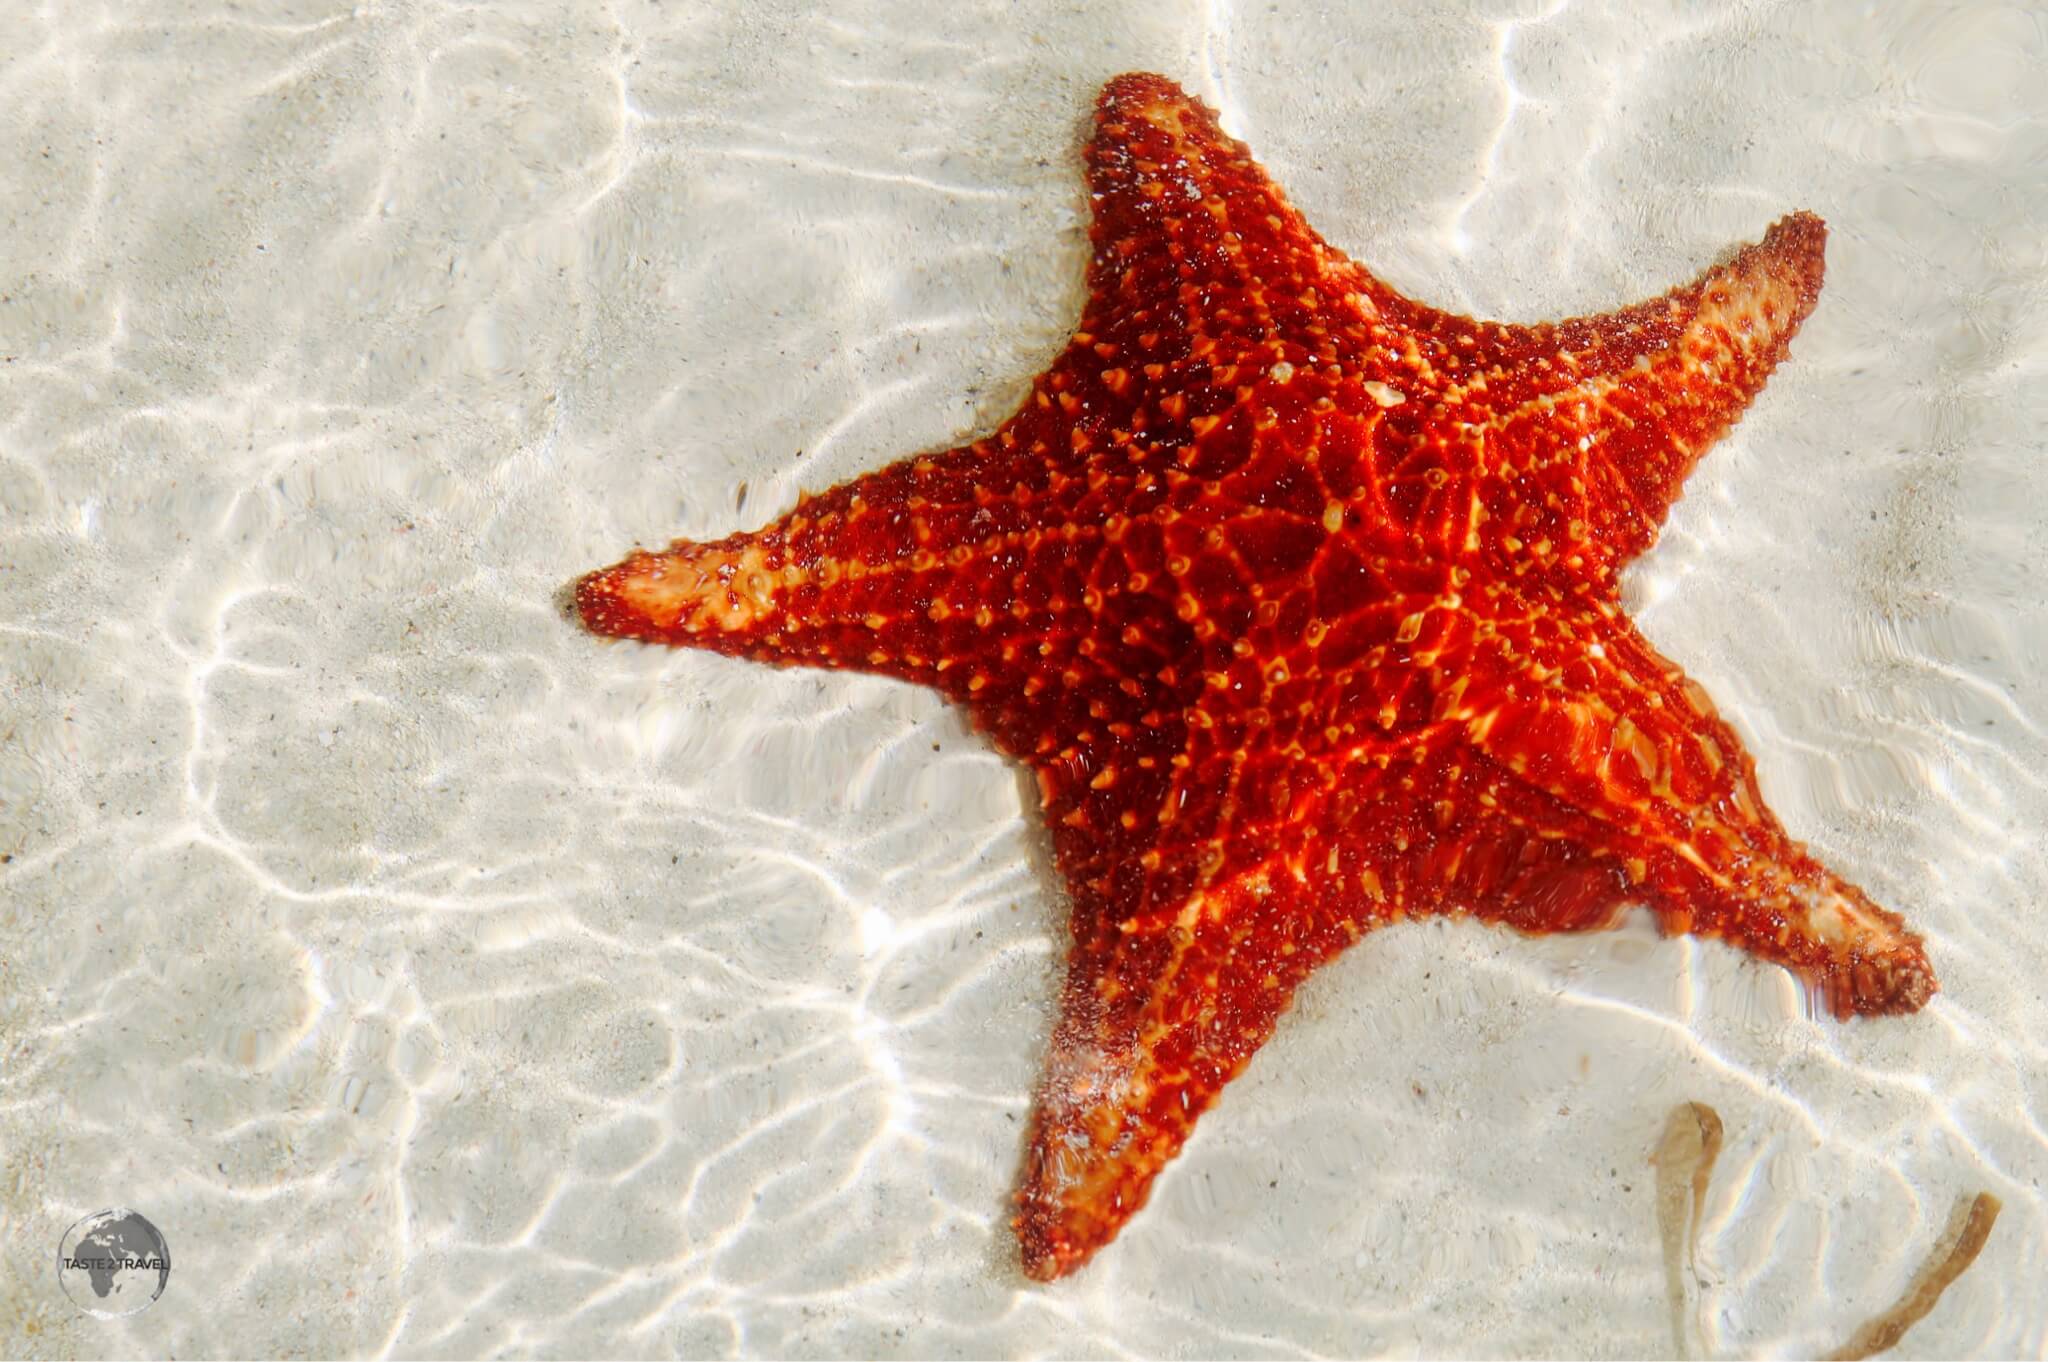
(1192, 239)
(1564, 446)
(1193, 929)
(1159, 1012)
(935, 569)
(1659, 783)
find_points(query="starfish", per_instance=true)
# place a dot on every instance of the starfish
(1300, 598)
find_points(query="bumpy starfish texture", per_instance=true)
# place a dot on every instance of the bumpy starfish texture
(1300, 599)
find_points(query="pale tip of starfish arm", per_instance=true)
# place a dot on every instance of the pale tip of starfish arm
(1092, 1156)
(1149, 96)
(1883, 983)
(1797, 245)
(1875, 966)
(1759, 298)
(689, 590)
(1060, 1227)
(1047, 1254)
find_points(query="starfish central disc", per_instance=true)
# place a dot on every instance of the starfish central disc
(1299, 598)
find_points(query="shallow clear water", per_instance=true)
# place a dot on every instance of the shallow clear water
(443, 981)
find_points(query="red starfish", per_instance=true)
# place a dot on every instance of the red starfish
(1300, 599)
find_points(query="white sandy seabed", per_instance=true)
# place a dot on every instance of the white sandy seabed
(442, 980)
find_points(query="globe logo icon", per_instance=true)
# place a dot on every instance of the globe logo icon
(113, 1263)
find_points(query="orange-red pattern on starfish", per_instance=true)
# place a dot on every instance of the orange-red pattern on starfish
(1300, 599)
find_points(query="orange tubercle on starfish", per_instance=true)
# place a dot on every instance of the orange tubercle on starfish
(1300, 599)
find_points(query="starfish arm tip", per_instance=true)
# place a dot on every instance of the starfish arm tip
(1747, 310)
(1137, 87)
(598, 603)
(1077, 1196)
(1090, 1164)
(708, 595)
(1793, 256)
(1887, 983)
(1045, 1254)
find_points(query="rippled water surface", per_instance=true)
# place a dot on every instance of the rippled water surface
(443, 981)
